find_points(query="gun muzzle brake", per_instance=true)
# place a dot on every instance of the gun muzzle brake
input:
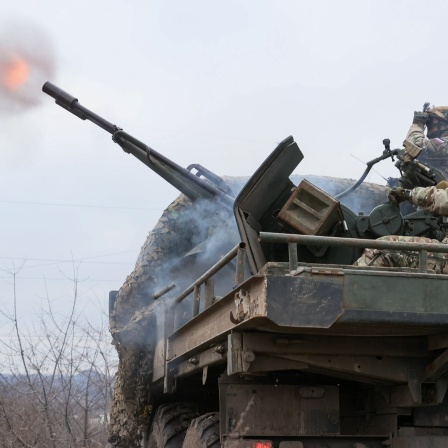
(62, 98)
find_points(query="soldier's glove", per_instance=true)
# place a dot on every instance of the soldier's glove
(420, 118)
(442, 185)
(397, 195)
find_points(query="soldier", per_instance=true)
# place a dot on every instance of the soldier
(433, 199)
(435, 145)
(433, 150)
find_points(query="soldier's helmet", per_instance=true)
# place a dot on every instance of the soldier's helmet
(437, 124)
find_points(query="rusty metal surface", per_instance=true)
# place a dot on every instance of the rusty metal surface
(311, 410)
(357, 297)
(310, 210)
(214, 323)
(352, 302)
(394, 297)
(342, 357)
(285, 344)
(304, 302)
(212, 356)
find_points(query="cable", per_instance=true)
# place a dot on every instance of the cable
(65, 261)
(81, 205)
(79, 259)
(19, 277)
(56, 261)
(61, 261)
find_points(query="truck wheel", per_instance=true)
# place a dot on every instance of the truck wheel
(203, 432)
(170, 424)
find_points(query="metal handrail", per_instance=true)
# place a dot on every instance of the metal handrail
(313, 240)
(237, 251)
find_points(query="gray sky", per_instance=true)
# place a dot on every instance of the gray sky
(212, 82)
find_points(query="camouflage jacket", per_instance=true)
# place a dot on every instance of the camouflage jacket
(437, 263)
(435, 150)
(432, 199)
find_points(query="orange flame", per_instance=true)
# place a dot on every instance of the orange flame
(16, 74)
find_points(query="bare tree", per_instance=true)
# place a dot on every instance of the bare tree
(56, 379)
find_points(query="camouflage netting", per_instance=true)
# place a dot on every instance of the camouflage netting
(182, 227)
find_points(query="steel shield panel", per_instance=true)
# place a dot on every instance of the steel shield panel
(400, 298)
(304, 301)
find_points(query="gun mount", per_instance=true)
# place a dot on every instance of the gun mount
(303, 351)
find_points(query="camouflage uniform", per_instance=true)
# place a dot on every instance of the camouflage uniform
(435, 150)
(431, 198)
(437, 263)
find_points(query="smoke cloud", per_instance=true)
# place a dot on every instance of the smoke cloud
(26, 62)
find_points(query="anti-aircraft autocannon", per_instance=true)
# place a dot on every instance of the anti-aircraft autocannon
(271, 202)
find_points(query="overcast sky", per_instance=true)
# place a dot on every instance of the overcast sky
(218, 83)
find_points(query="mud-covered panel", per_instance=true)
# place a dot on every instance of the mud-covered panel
(304, 302)
(396, 293)
(282, 410)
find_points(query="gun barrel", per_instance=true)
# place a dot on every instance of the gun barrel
(70, 103)
(191, 185)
